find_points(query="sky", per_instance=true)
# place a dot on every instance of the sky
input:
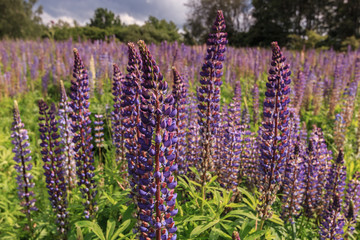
(130, 11)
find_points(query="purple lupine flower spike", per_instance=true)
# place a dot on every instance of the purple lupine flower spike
(352, 202)
(118, 128)
(236, 236)
(274, 131)
(23, 167)
(130, 114)
(180, 93)
(82, 134)
(99, 130)
(209, 93)
(66, 135)
(53, 164)
(333, 219)
(157, 122)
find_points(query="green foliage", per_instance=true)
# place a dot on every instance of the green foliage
(18, 20)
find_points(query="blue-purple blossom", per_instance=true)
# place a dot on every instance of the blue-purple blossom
(156, 183)
(66, 136)
(274, 131)
(180, 93)
(52, 155)
(23, 165)
(208, 94)
(82, 134)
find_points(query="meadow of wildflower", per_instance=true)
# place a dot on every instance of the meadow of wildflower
(107, 140)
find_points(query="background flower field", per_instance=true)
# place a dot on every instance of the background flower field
(323, 114)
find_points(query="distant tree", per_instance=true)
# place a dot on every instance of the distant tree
(18, 20)
(203, 12)
(104, 18)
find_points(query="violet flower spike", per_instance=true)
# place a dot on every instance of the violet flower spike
(274, 131)
(23, 167)
(208, 93)
(52, 155)
(157, 122)
(116, 116)
(82, 135)
(180, 93)
(66, 135)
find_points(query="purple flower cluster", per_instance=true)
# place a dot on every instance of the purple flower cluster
(180, 94)
(99, 130)
(208, 94)
(82, 134)
(23, 167)
(157, 114)
(274, 131)
(118, 128)
(52, 155)
(66, 135)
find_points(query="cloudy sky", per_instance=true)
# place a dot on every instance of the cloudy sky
(130, 11)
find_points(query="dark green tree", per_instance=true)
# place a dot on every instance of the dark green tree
(203, 12)
(18, 20)
(104, 18)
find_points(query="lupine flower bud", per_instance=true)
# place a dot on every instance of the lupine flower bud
(82, 134)
(53, 163)
(23, 167)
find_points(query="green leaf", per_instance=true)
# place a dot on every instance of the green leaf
(94, 227)
(276, 219)
(121, 229)
(79, 235)
(237, 213)
(110, 228)
(200, 229)
(255, 235)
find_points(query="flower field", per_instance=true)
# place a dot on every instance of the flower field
(107, 140)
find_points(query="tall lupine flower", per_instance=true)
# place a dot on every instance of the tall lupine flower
(336, 86)
(316, 167)
(274, 132)
(300, 86)
(82, 134)
(229, 152)
(66, 135)
(23, 167)
(116, 115)
(209, 93)
(293, 185)
(99, 133)
(130, 115)
(53, 163)
(192, 139)
(352, 202)
(339, 131)
(157, 122)
(350, 94)
(255, 93)
(180, 93)
(332, 218)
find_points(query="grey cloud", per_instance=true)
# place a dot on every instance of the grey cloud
(83, 10)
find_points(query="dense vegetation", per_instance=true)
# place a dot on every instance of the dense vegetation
(294, 24)
(108, 141)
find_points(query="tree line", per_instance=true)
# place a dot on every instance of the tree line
(293, 23)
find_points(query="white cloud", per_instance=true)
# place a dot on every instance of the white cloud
(127, 19)
(47, 18)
